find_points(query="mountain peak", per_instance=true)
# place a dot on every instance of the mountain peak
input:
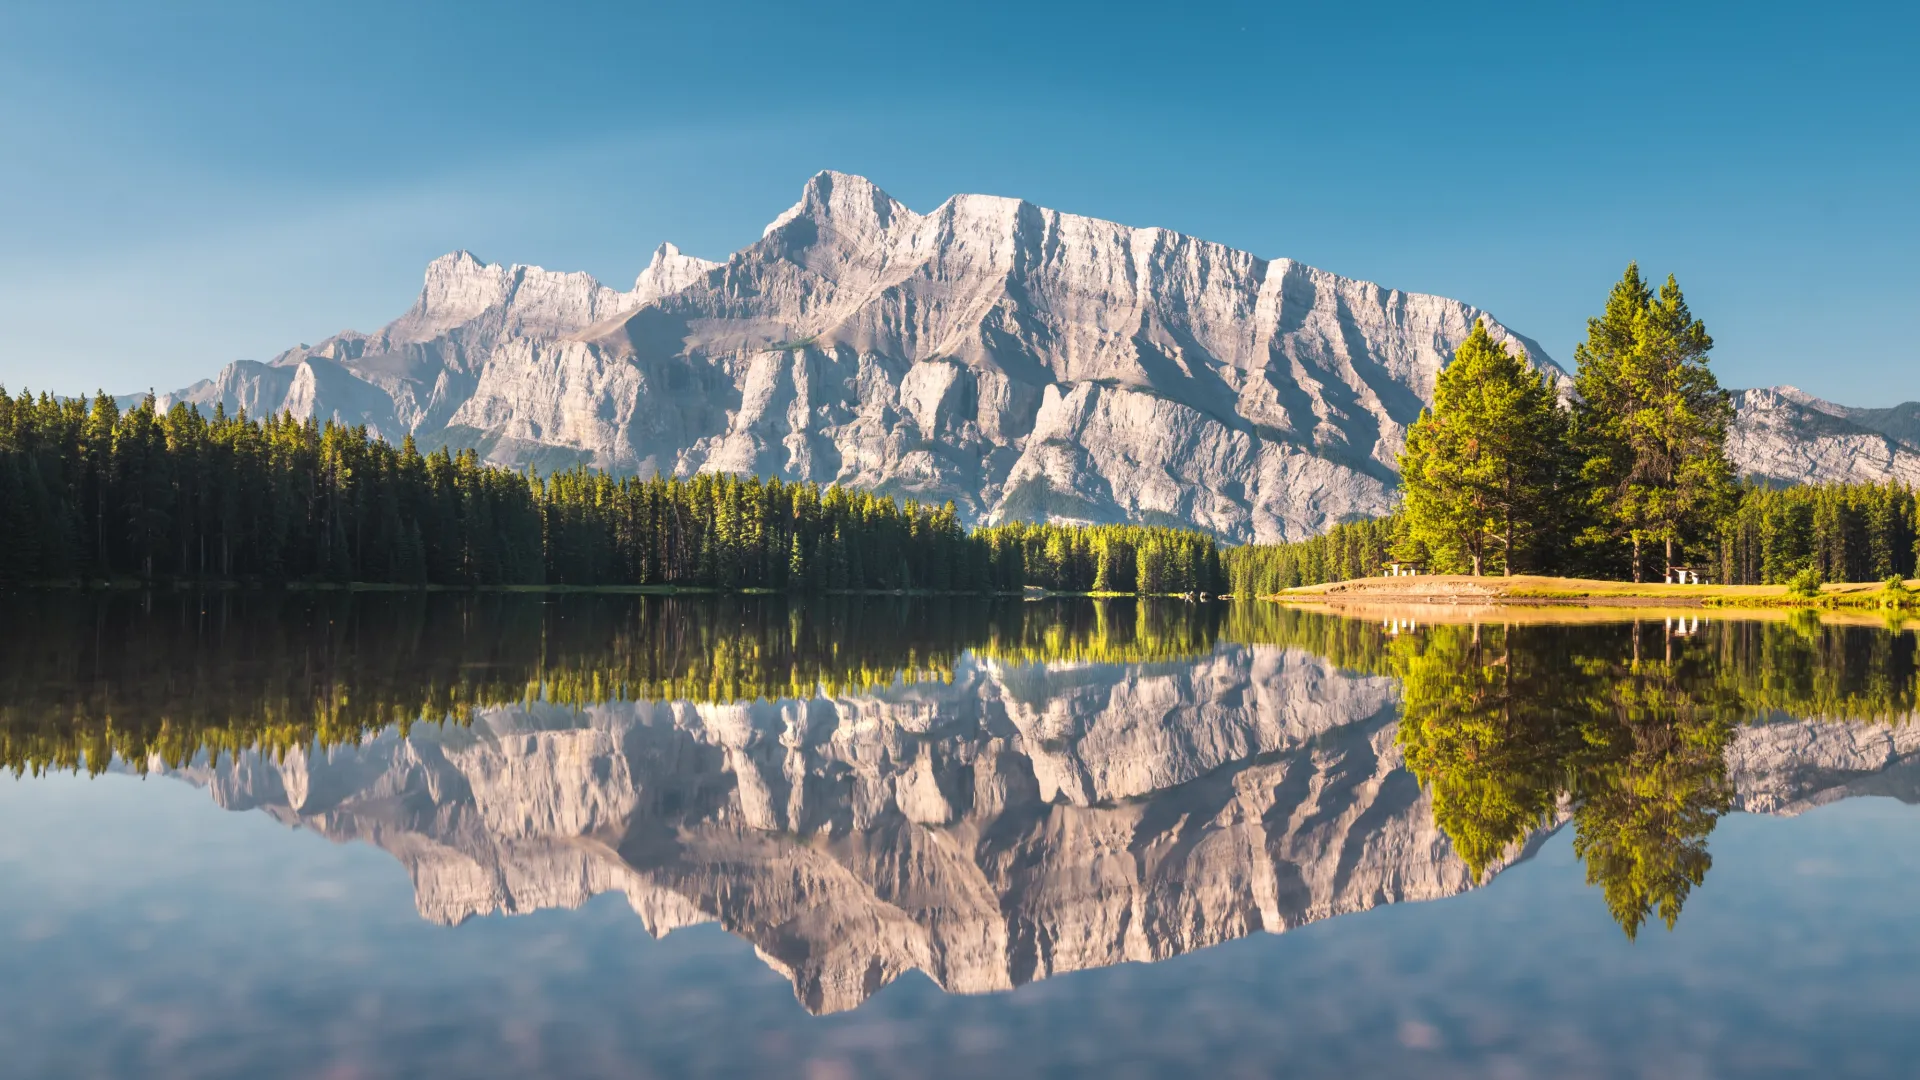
(667, 272)
(457, 287)
(461, 260)
(841, 200)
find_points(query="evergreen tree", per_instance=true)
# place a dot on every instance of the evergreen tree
(19, 542)
(1482, 469)
(1650, 423)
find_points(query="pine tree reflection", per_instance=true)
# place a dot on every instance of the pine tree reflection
(1512, 727)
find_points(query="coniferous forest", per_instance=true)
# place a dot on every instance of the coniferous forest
(91, 492)
(1842, 532)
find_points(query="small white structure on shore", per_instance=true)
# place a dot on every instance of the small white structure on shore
(1683, 575)
(1401, 569)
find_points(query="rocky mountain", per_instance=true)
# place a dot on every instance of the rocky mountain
(1017, 360)
(1788, 436)
(1018, 822)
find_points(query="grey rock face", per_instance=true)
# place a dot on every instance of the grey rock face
(1789, 436)
(1796, 765)
(1019, 361)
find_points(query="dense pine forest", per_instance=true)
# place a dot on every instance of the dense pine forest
(91, 492)
(1346, 551)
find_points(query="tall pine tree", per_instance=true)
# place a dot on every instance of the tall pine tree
(1481, 469)
(1650, 424)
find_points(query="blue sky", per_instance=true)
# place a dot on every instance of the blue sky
(182, 185)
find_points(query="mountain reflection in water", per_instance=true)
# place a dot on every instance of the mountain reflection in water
(990, 793)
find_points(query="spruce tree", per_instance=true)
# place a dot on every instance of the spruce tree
(1482, 468)
(1650, 423)
(796, 565)
(19, 554)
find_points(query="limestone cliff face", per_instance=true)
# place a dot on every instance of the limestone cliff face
(413, 375)
(1020, 361)
(1787, 435)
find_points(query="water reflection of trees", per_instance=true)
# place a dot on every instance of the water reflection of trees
(1623, 728)
(86, 678)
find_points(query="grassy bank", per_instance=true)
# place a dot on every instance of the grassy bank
(1537, 589)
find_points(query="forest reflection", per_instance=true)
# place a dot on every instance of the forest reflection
(1620, 728)
(166, 676)
(162, 677)
(1511, 728)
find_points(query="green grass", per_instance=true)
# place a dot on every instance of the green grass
(1527, 588)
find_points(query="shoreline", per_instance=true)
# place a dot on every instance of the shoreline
(1529, 590)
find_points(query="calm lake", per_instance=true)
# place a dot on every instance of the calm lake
(510, 835)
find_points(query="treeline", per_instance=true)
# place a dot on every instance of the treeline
(1840, 532)
(1349, 550)
(89, 491)
(1110, 558)
(726, 532)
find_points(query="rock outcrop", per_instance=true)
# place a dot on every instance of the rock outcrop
(1790, 766)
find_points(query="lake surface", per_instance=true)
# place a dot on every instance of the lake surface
(329, 836)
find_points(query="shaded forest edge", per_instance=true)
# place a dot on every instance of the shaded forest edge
(90, 493)
(90, 677)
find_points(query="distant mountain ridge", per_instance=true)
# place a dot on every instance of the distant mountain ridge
(1785, 435)
(1019, 361)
